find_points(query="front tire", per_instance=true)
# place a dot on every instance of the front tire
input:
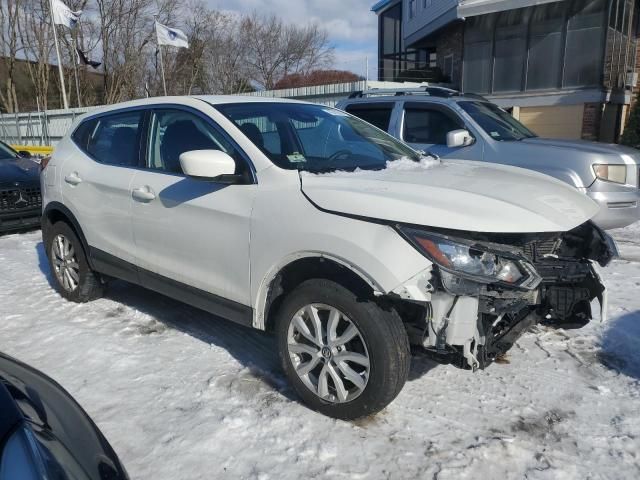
(72, 275)
(346, 357)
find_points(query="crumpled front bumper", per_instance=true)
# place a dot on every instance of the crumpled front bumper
(475, 324)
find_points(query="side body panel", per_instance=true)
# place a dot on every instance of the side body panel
(195, 232)
(101, 201)
(285, 226)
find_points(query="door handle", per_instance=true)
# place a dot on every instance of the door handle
(143, 194)
(73, 178)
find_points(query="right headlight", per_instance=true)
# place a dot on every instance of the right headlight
(610, 173)
(472, 260)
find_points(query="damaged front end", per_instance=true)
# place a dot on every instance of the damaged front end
(485, 289)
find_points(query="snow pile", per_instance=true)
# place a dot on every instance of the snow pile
(183, 395)
(404, 164)
(407, 164)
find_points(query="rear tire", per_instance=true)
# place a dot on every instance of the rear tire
(359, 361)
(73, 278)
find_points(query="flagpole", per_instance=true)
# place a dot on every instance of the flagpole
(164, 82)
(75, 68)
(55, 38)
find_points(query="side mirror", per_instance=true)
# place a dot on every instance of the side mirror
(25, 154)
(459, 138)
(209, 165)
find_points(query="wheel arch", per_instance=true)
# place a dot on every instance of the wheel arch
(57, 212)
(302, 266)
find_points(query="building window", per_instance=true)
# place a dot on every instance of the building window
(390, 23)
(412, 8)
(545, 46)
(559, 44)
(395, 62)
(447, 68)
(478, 49)
(433, 60)
(584, 38)
(510, 50)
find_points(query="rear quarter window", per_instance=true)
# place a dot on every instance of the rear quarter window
(82, 132)
(113, 139)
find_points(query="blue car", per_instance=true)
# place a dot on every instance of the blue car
(45, 434)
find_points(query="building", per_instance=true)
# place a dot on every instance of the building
(566, 68)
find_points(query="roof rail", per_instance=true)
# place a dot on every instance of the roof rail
(425, 90)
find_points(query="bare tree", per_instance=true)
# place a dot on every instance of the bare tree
(229, 53)
(216, 59)
(276, 49)
(225, 55)
(126, 34)
(9, 46)
(36, 35)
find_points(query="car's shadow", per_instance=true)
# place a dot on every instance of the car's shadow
(254, 349)
(620, 345)
(43, 263)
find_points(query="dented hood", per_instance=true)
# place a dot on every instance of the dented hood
(460, 195)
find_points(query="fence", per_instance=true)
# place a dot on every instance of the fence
(47, 128)
(38, 128)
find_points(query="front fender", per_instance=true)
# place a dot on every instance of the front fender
(259, 320)
(285, 227)
(566, 175)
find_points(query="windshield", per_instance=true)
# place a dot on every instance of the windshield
(315, 138)
(496, 122)
(7, 152)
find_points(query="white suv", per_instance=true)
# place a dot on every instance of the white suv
(305, 221)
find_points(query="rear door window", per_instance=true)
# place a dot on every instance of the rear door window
(378, 114)
(428, 125)
(115, 138)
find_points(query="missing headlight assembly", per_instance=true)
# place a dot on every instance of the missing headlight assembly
(486, 289)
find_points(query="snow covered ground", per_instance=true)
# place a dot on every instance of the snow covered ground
(182, 395)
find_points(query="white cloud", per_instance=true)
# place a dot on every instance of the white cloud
(347, 21)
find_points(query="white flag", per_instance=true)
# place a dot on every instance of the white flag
(62, 15)
(171, 36)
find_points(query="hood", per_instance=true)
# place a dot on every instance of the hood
(21, 170)
(583, 146)
(459, 195)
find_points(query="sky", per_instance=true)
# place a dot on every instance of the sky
(351, 25)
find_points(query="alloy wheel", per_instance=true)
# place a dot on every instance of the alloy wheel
(65, 263)
(328, 353)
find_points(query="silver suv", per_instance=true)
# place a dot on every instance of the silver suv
(468, 127)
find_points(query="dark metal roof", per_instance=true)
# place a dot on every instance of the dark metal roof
(381, 4)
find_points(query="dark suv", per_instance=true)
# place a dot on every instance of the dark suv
(20, 202)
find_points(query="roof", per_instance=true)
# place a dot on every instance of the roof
(382, 4)
(184, 99)
(219, 99)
